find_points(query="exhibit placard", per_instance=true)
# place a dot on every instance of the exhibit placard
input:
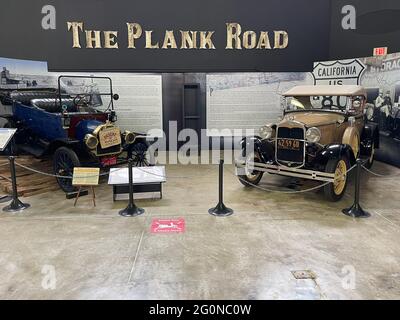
(85, 176)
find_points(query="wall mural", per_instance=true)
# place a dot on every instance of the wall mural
(237, 102)
(381, 77)
(139, 107)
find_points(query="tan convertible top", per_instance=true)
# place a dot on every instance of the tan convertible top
(325, 90)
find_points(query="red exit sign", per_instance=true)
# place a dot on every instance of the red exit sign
(382, 51)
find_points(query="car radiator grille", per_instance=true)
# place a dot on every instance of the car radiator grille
(107, 151)
(290, 146)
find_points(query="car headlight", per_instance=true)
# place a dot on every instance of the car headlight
(129, 137)
(313, 135)
(265, 132)
(91, 141)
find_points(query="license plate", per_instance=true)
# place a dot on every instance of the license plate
(108, 161)
(290, 144)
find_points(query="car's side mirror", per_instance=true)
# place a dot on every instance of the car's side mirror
(115, 96)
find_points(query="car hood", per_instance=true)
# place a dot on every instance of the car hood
(314, 118)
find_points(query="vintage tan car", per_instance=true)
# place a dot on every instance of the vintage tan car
(321, 134)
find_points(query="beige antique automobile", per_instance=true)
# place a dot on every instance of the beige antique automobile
(321, 134)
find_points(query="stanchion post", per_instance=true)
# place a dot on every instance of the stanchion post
(220, 209)
(16, 204)
(131, 210)
(355, 210)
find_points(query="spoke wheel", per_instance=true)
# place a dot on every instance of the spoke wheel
(340, 177)
(139, 155)
(251, 176)
(335, 191)
(64, 162)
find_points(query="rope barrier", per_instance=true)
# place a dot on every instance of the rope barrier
(380, 175)
(183, 177)
(58, 176)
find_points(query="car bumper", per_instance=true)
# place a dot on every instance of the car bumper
(240, 166)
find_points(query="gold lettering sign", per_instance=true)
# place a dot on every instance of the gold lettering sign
(237, 38)
(85, 176)
(109, 137)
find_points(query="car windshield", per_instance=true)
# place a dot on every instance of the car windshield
(337, 103)
(91, 92)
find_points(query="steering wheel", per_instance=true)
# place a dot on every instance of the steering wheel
(81, 100)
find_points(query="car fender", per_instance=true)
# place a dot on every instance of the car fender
(335, 151)
(54, 145)
(263, 147)
(371, 133)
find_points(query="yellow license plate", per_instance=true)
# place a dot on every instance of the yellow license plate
(290, 144)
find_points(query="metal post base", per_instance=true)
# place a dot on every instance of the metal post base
(131, 211)
(15, 206)
(220, 210)
(5, 199)
(356, 211)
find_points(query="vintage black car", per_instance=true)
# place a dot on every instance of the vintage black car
(322, 133)
(75, 124)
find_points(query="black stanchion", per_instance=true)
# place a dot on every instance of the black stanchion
(355, 210)
(131, 210)
(16, 204)
(220, 209)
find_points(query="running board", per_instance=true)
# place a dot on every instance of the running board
(286, 171)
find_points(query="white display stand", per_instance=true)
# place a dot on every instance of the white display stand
(5, 137)
(147, 182)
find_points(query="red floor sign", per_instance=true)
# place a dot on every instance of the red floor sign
(168, 225)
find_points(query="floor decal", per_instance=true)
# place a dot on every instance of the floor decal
(168, 225)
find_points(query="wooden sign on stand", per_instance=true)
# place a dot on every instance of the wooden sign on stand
(85, 177)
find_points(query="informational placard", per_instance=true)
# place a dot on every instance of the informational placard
(85, 176)
(109, 137)
(240, 103)
(5, 137)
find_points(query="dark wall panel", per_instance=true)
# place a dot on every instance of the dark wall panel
(377, 25)
(306, 21)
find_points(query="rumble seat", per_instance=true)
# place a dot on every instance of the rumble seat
(53, 105)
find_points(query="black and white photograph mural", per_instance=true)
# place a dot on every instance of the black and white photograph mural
(139, 107)
(380, 75)
(237, 102)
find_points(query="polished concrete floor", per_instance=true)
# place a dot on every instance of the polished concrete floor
(56, 251)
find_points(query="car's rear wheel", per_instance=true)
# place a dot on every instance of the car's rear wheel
(251, 176)
(64, 161)
(334, 191)
(370, 161)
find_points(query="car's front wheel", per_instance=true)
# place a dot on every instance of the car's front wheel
(251, 176)
(140, 155)
(64, 161)
(334, 191)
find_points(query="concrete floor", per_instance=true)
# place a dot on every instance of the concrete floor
(94, 253)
